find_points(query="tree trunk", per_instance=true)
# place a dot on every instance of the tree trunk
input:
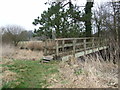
(88, 14)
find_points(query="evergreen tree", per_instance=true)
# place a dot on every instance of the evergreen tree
(88, 16)
(59, 19)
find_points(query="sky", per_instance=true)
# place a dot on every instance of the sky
(23, 12)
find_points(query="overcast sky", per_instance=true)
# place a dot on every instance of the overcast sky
(23, 12)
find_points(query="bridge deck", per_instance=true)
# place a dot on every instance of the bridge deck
(82, 53)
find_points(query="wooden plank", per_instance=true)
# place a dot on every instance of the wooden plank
(88, 48)
(77, 44)
(45, 49)
(73, 38)
(57, 49)
(67, 52)
(84, 46)
(93, 42)
(74, 42)
(88, 42)
(82, 53)
(68, 45)
(98, 45)
(63, 45)
(78, 50)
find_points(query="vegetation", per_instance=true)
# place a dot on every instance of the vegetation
(13, 34)
(36, 45)
(106, 21)
(93, 73)
(88, 16)
(65, 21)
(24, 69)
(29, 74)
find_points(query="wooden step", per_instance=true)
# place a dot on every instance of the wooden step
(48, 58)
(45, 61)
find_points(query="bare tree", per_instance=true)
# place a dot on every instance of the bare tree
(106, 18)
(99, 15)
(116, 16)
(13, 34)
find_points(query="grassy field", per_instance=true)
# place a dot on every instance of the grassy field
(22, 69)
(28, 74)
(33, 74)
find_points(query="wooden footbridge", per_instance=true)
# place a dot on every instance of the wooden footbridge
(64, 48)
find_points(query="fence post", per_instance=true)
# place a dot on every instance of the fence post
(84, 46)
(101, 45)
(57, 49)
(93, 44)
(63, 42)
(98, 45)
(105, 49)
(74, 46)
(45, 52)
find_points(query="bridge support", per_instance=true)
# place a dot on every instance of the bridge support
(57, 49)
(84, 46)
(74, 44)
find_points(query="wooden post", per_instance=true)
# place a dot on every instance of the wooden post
(98, 45)
(105, 49)
(57, 49)
(105, 42)
(74, 46)
(93, 44)
(110, 50)
(101, 45)
(63, 42)
(84, 46)
(45, 51)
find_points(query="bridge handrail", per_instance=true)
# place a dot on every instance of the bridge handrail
(95, 41)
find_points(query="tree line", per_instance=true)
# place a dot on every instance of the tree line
(67, 20)
(13, 34)
(106, 20)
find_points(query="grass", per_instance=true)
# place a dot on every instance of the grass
(95, 72)
(33, 74)
(78, 72)
(36, 45)
(92, 73)
(30, 74)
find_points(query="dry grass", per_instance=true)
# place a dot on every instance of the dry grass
(93, 73)
(76, 74)
(7, 50)
(6, 75)
(27, 55)
(11, 52)
(36, 45)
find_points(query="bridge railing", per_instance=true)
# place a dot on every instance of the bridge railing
(68, 46)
